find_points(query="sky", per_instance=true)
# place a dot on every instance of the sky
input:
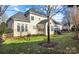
(13, 9)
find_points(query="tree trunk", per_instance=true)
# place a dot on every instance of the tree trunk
(48, 30)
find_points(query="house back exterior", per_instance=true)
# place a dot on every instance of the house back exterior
(31, 22)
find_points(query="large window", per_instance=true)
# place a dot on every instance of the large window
(22, 27)
(18, 27)
(25, 27)
(32, 17)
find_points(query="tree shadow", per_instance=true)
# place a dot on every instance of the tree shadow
(25, 48)
(34, 47)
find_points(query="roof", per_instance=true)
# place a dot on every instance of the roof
(22, 16)
(19, 17)
(56, 22)
(36, 12)
(45, 21)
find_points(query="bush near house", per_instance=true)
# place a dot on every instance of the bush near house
(8, 30)
(3, 28)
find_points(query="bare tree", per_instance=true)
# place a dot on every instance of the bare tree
(3, 9)
(50, 11)
(76, 21)
(49, 17)
(67, 17)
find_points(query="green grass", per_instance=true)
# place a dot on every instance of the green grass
(66, 44)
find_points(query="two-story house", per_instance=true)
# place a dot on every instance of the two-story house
(31, 22)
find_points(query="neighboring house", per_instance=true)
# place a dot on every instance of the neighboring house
(32, 22)
(57, 25)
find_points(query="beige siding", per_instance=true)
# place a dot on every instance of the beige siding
(35, 22)
(10, 24)
(16, 33)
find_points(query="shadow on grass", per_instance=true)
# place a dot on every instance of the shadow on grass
(35, 48)
(65, 45)
(25, 48)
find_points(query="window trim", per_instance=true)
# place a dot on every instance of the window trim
(18, 27)
(22, 28)
(26, 27)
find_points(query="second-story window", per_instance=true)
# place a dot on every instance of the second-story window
(32, 17)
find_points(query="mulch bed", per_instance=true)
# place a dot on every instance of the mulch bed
(48, 45)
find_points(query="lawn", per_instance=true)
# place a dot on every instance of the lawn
(66, 44)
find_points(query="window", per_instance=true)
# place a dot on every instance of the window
(18, 27)
(41, 27)
(0, 9)
(22, 27)
(52, 29)
(32, 17)
(25, 27)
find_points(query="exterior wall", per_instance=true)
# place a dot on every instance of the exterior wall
(10, 24)
(34, 22)
(16, 33)
(60, 27)
(65, 27)
(31, 25)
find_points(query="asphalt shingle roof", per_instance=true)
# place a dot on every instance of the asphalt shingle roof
(35, 11)
(20, 17)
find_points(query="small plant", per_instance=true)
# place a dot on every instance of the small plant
(1, 40)
(8, 30)
(28, 36)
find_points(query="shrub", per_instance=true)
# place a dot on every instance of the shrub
(8, 30)
(3, 27)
